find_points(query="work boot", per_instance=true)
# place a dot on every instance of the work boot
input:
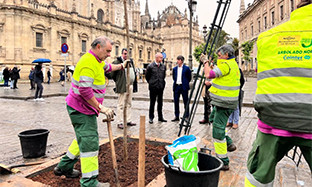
(229, 124)
(225, 168)
(71, 174)
(204, 121)
(101, 184)
(231, 148)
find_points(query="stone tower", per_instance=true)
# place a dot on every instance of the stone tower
(242, 7)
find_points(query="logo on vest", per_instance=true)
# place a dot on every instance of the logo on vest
(306, 42)
(288, 41)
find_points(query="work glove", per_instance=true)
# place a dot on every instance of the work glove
(107, 111)
(125, 63)
(203, 58)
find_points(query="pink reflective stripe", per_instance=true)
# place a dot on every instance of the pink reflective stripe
(79, 103)
(279, 132)
(86, 92)
(108, 68)
(212, 74)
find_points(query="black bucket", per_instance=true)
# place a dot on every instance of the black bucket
(207, 176)
(34, 142)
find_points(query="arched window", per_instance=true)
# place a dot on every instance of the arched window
(100, 15)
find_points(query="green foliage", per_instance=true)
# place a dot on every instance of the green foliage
(200, 49)
(235, 45)
(247, 48)
(223, 38)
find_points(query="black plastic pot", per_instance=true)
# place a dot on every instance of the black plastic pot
(34, 142)
(207, 176)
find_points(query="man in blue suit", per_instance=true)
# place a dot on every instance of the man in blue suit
(182, 76)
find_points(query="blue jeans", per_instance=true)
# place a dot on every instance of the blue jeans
(234, 117)
(6, 82)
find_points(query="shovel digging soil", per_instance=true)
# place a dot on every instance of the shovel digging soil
(127, 170)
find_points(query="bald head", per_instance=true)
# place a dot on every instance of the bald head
(158, 57)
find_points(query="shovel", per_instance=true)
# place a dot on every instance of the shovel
(12, 169)
(111, 141)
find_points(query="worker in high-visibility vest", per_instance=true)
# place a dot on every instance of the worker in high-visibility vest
(283, 97)
(224, 93)
(84, 103)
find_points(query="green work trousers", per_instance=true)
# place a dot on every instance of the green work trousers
(219, 117)
(268, 150)
(85, 127)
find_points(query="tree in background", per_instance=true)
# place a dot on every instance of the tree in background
(235, 45)
(221, 40)
(247, 48)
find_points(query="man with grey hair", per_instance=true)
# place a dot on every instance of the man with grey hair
(84, 103)
(224, 93)
(155, 76)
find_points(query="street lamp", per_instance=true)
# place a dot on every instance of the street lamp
(205, 32)
(192, 7)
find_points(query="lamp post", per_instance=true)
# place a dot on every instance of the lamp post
(192, 7)
(205, 32)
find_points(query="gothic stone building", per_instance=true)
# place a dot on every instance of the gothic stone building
(173, 27)
(261, 16)
(31, 29)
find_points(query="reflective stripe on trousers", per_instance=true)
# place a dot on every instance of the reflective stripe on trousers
(89, 164)
(73, 150)
(89, 160)
(220, 147)
(250, 181)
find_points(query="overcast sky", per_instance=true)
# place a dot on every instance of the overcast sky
(205, 11)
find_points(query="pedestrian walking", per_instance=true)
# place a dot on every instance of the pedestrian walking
(234, 117)
(15, 76)
(62, 77)
(182, 76)
(155, 76)
(120, 78)
(31, 78)
(224, 93)
(283, 97)
(6, 76)
(84, 103)
(49, 76)
(38, 78)
(207, 102)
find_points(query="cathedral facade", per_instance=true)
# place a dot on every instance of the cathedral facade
(31, 29)
(258, 17)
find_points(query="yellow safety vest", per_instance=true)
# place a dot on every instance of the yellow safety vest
(224, 90)
(284, 88)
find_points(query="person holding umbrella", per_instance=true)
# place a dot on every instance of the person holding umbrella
(38, 78)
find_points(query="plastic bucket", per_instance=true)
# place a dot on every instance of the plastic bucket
(207, 176)
(34, 142)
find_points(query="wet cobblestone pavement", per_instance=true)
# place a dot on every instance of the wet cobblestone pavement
(19, 112)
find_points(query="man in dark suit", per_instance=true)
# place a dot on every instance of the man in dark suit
(155, 76)
(182, 76)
